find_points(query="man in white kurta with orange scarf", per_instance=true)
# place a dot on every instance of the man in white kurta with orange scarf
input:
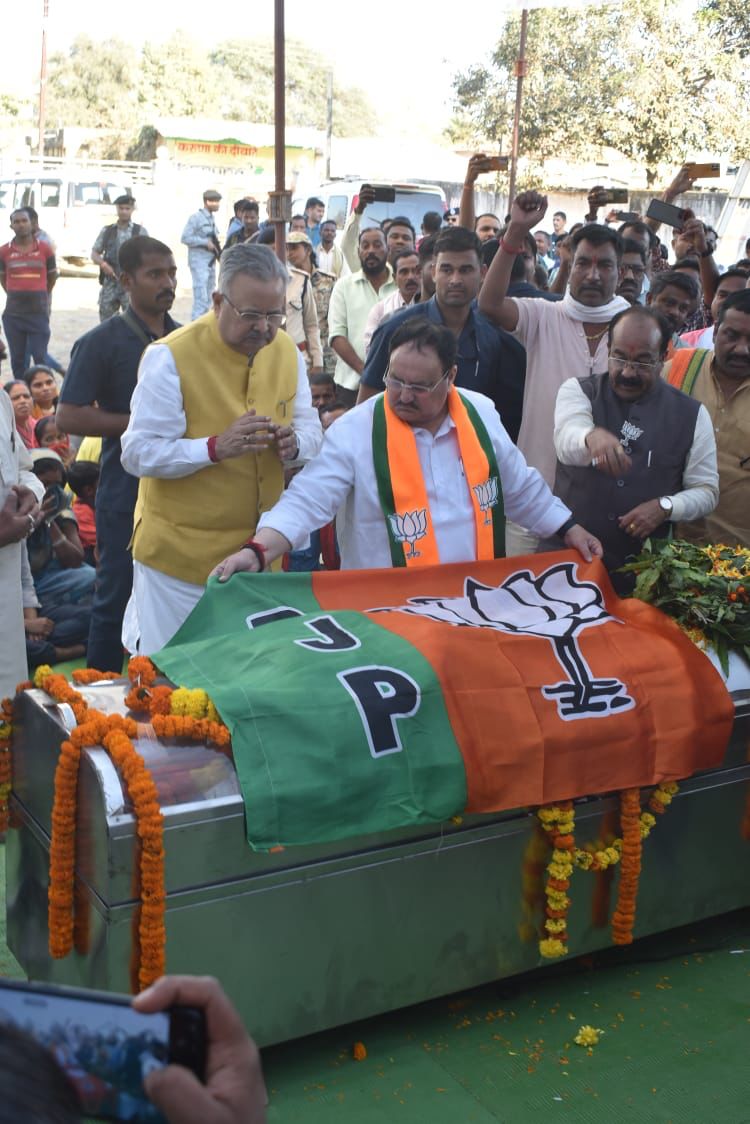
(419, 475)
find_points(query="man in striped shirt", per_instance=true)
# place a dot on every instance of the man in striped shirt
(27, 274)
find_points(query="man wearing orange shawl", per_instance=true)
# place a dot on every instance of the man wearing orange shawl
(419, 475)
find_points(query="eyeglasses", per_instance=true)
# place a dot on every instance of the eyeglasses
(273, 319)
(617, 366)
(636, 270)
(418, 389)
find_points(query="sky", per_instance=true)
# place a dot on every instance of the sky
(363, 43)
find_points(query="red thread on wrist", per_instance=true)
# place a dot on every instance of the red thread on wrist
(211, 446)
(510, 249)
(258, 549)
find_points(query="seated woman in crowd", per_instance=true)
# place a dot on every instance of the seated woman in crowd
(49, 436)
(23, 404)
(53, 633)
(43, 386)
(61, 577)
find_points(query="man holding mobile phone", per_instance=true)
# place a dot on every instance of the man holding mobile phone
(234, 1091)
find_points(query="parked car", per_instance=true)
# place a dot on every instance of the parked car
(341, 197)
(71, 211)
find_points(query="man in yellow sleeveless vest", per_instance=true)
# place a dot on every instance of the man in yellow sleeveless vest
(221, 406)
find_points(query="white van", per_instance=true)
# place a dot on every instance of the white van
(341, 196)
(71, 211)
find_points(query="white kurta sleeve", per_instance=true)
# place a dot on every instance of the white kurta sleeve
(527, 498)
(306, 420)
(154, 444)
(574, 420)
(700, 479)
(317, 493)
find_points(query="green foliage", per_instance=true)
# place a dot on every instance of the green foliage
(644, 80)
(704, 588)
(111, 87)
(249, 64)
(93, 85)
(729, 20)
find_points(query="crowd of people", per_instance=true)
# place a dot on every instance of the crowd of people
(383, 398)
(615, 379)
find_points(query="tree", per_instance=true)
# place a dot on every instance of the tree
(249, 65)
(730, 20)
(641, 80)
(178, 80)
(94, 85)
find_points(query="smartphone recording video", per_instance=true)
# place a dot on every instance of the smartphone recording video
(615, 195)
(103, 1045)
(666, 212)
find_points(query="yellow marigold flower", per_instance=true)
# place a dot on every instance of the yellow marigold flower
(671, 787)
(555, 925)
(552, 948)
(547, 815)
(5, 730)
(584, 859)
(557, 899)
(588, 1036)
(212, 713)
(41, 674)
(648, 819)
(560, 870)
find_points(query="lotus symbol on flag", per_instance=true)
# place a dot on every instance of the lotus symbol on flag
(487, 496)
(409, 528)
(555, 606)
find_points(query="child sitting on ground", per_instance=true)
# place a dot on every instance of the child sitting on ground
(83, 479)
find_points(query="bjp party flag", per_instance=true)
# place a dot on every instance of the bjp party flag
(368, 700)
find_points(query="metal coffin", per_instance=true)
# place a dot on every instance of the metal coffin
(311, 937)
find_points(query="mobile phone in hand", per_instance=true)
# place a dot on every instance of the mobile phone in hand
(614, 195)
(704, 171)
(105, 1047)
(666, 212)
(382, 193)
(495, 164)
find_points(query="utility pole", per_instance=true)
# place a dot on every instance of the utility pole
(521, 70)
(280, 200)
(329, 121)
(43, 82)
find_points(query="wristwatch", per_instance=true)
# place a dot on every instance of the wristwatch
(665, 504)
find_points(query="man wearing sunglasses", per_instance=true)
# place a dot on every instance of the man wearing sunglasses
(635, 455)
(222, 406)
(420, 474)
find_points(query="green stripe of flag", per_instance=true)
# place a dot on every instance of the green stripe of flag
(313, 704)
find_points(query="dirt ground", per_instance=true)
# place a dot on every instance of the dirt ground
(75, 311)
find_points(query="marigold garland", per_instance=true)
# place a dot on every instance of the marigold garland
(115, 733)
(6, 730)
(558, 822)
(623, 917)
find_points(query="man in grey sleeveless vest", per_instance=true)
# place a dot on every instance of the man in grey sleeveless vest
(635, 455)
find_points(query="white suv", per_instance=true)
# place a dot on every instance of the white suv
(341, 197)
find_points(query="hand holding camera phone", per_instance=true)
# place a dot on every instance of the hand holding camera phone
(667, 213)
(494, 164)
(105, 1047)
(381, 193)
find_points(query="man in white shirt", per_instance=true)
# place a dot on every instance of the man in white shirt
(407, 273)
(351, 300)
(563, 339)
(635, 455)
(388, 517)
(330, 257)
(222, 406)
